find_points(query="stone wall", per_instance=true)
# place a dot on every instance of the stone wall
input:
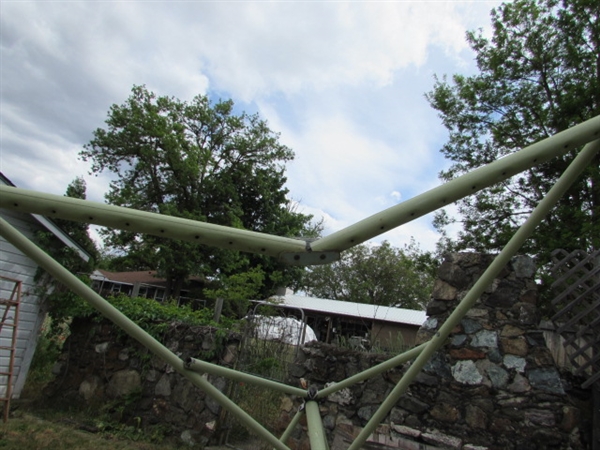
(105, 372)
(494, 385)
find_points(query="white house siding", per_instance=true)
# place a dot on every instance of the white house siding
(15, 265)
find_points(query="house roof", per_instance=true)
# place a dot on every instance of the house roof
(141, 276)
(362, 310)
(52, 227)
(148, 277)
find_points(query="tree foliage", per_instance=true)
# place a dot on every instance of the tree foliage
(378, 275)
(237, 290)
(198, 160)
(79, 231)
(538, 74)
(62, 302)
(67, 256)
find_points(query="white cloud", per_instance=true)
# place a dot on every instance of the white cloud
(345, 176)
(249, 49)
(342, 81)
(290, 47)
(334, 160)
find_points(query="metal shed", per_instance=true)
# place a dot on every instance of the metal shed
(384, 324)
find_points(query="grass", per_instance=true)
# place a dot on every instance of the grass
(28, 431)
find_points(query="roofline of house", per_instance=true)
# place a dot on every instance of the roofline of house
(53, 228)
(64, 237)
(106, 278)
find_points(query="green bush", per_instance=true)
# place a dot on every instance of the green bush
(156, 318)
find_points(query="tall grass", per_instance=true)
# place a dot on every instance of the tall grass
(268, 359)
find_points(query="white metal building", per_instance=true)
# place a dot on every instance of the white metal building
(329, 318)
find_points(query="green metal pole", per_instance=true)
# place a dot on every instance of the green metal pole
(56, 206)
(290, 428)
(78, 287)
(198, 365)
(544, 207)
(316, 432)
(372, 371)
(292, 251)
(460, 187)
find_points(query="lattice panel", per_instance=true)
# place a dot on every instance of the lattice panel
(577, 281)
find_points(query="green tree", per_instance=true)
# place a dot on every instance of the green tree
(538, 74)
(79, 231)
(199, 161)
(62, 304)
(237, 290)
(378, 275)
(67, 256)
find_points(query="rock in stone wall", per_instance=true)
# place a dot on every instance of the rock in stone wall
(494, 384)
(103, 370)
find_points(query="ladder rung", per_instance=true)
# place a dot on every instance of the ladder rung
(4, 301)
(4, 347)
(4, 324)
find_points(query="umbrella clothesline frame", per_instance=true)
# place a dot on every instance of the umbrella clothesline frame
(300, 252)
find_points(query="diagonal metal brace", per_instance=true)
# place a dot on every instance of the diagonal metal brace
(569, 176)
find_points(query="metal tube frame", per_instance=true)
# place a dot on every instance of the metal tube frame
(293, 423)
(200, 366)
(110, 312)
(486, 279)
(316, 432)
(293, 251)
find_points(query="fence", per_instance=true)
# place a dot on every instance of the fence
(269, 345)
(577, 283)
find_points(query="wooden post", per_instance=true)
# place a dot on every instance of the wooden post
(136, 289)
(328, 330)
(596, 385)
(596, 416)
(218, 309)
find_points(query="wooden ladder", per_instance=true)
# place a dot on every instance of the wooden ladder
(12, 323)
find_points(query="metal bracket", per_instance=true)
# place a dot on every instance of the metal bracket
(312, 393)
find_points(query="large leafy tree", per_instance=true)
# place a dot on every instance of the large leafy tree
(198, 160)
(538, 74)
(379, 275)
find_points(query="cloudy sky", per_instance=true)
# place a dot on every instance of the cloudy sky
(342, 81)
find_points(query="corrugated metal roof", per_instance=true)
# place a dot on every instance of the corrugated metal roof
(383, 313)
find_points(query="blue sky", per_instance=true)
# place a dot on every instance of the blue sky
(343, 82)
